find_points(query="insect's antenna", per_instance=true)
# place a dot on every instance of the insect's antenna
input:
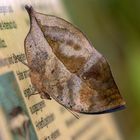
(74, 114)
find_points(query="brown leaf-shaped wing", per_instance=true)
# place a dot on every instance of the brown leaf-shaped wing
(65, 65)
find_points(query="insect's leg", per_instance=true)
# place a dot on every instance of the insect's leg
(22, 61)
(33, 93)
(45, 95)
(42, 95)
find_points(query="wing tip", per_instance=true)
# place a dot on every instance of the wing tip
(28, 7)
(118, 108)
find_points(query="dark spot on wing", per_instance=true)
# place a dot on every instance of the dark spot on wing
(52, 71)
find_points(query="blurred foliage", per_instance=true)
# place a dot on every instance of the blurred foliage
(113, 26)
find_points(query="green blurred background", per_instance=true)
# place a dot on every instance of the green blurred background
(113, 26)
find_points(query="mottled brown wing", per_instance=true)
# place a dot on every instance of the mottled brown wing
(92, 91)
(66, 66)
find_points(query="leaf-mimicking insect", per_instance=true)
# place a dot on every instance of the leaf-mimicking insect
(66, 67)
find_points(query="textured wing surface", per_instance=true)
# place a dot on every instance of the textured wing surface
(66, 65)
